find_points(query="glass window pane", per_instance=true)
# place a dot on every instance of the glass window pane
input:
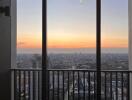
(29, 33)
(114, 34)
(71, 34)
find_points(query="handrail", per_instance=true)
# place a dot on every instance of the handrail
(89, 70)
(26, 69)
(92, 70)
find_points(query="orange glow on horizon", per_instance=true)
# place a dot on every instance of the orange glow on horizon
(72, 43)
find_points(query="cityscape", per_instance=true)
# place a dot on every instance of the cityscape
(66, 49)
(74, 61)
(82, 83)
(71, 25)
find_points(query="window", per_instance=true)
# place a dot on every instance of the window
(29, 33)
(115, 34)
(71, 30)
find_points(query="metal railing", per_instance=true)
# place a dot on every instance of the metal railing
(27, 84)
(71, 84)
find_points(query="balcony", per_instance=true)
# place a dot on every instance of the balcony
(66, 84)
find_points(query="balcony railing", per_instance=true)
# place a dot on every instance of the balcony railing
(71, 84)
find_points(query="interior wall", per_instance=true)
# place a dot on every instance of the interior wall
(7, 48)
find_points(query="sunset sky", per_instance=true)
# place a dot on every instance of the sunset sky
(72, 24)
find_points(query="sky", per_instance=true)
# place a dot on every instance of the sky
(72, 24)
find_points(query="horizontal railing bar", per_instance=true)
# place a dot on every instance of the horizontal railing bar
(26, 69)
(88, 70)
(117, 71)
(71, 70)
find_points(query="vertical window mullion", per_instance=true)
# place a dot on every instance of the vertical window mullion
(98, 47)
(44, 49)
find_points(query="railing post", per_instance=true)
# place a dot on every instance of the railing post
(98, 47)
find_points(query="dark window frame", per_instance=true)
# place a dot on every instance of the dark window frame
(44, 48)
